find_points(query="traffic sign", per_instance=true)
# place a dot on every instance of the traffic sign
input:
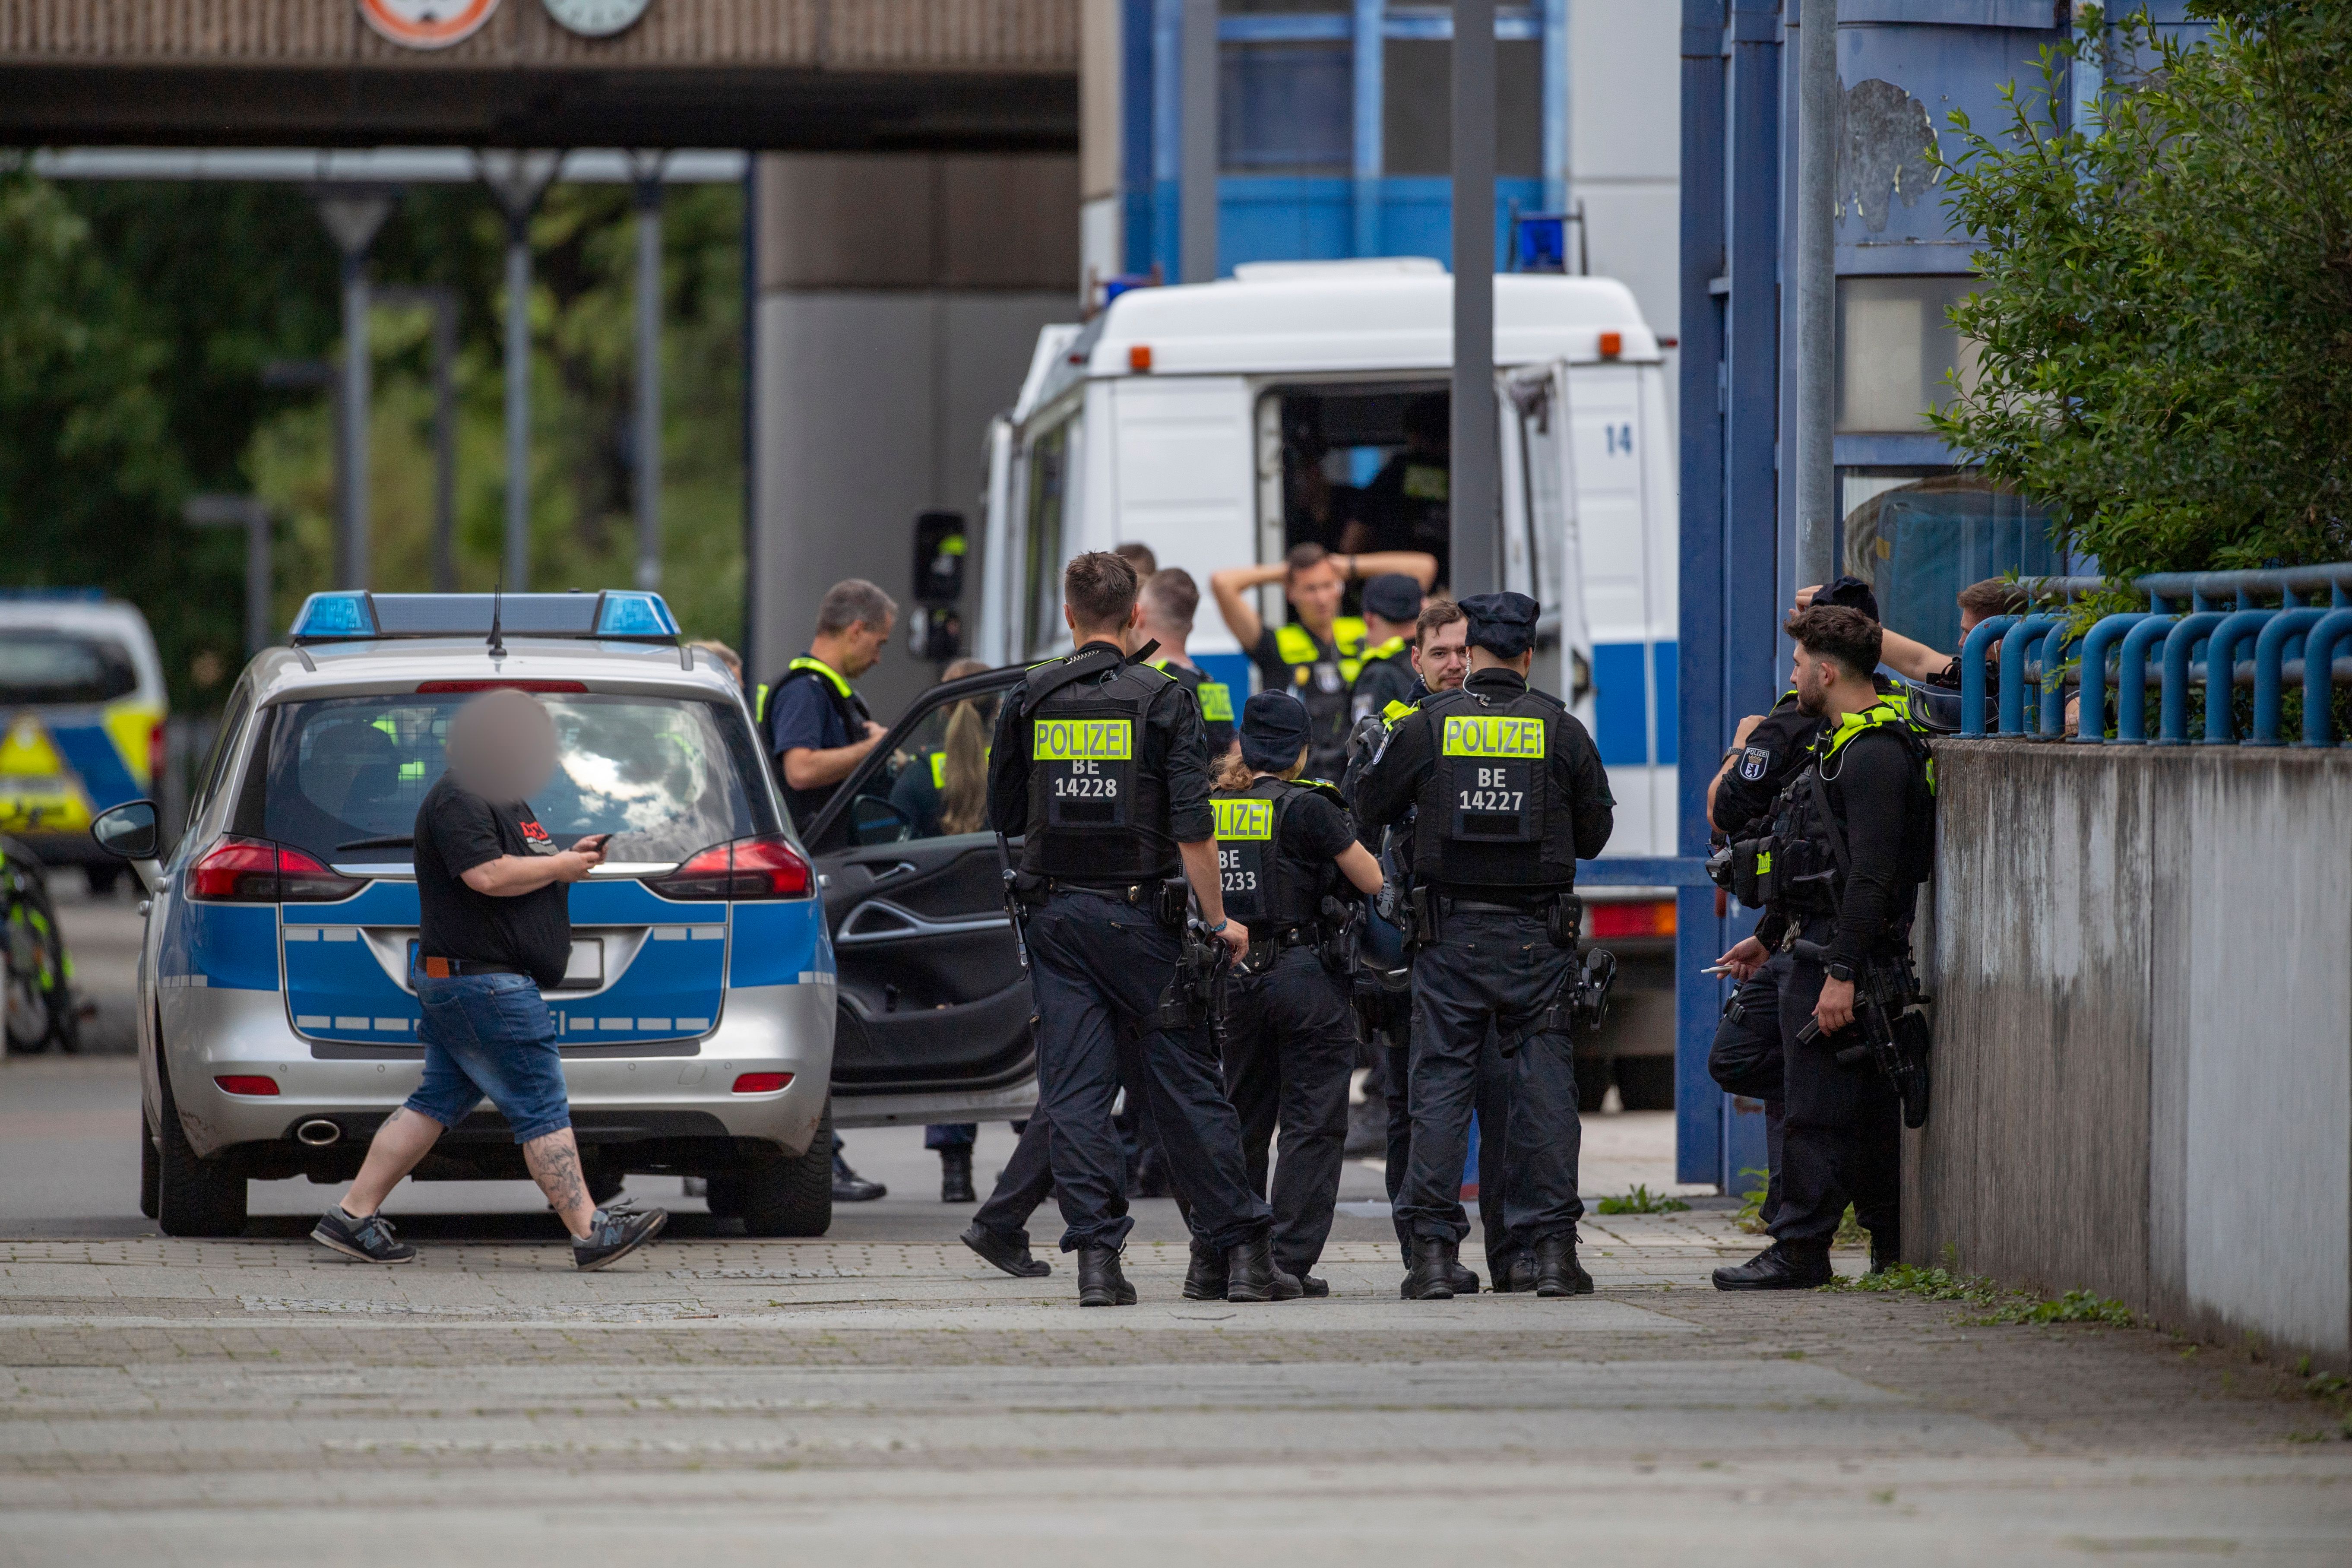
(427, 24)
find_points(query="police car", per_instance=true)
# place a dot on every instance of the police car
(277, 1019)
(81, 721)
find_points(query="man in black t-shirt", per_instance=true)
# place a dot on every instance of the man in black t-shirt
(494, 926)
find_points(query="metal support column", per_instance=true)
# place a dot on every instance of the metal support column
(1559, 102)
(1167, 135)
(443, 302)
(1816, 346)
(353, 214)
(1476, 542)
(647, 169)
(1371, 104)
(519, 181)
(1198, 177)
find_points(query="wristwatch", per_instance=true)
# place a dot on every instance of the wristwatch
(1840, 969)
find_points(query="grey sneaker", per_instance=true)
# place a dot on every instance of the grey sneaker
(369, 1240)
(614, 1232)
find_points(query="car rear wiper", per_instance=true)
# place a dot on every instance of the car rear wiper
(389, 841)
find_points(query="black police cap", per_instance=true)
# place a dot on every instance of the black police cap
(1273, 726)
(1502, 624)
(1394, 597)
(1849, 593)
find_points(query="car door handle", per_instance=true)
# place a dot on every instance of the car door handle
(878, 920)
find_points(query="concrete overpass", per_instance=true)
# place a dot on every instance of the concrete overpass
(971, 75)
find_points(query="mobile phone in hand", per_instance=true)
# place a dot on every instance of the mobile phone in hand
(594, 843)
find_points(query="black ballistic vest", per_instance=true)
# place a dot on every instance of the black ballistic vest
(1804, 860)
(1490, 813)
(1263, 888)
(1096, 813)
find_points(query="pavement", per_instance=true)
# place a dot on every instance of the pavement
(879, 1395)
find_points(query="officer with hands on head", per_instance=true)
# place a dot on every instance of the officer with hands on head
(1852, 839)
(1100, 765)
(1288, 858)
(1391, 604)
(1170, 599)
(1766, 751)
(1507, 793)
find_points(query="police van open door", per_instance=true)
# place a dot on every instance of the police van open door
(932, 1022)
(1543, 557)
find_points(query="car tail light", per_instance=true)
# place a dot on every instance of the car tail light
(254, 871)
(157, 750)
(748, 868)
(428, 688)
(1655, 918)
(753, 1082)
(248, 1083)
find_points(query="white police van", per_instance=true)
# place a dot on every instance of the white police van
(1217, 423)
(277, 1017)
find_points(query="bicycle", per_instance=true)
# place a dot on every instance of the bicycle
(39, 1003)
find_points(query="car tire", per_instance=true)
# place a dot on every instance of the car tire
(792, 1195)
(150, 1169)
(192, 1196)
(723, 1196)
(1645, 1083)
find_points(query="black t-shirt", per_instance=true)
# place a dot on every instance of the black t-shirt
(1315, 833)
(458, 830)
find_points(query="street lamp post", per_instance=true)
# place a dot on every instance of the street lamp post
(1473, 482)
(353, 214)
(518, 180)
(647, 169)
(248, 513)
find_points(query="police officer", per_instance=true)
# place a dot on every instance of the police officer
(1287, 853)
(1316, 657)
(1099, 763)
(1170, 600)
(1853, 838)
(1385, 675)
(1766, 752)
(1507, 792)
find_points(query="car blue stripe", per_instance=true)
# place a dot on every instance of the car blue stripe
(89, 750)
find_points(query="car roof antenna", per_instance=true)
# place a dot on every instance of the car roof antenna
(498, 594)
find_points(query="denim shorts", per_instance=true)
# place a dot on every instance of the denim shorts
(491, 1035)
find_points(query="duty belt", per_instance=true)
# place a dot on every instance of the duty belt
(1478, 906)
(1137, 894)
(1264, 951)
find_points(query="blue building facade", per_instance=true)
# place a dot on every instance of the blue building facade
(1917, 522)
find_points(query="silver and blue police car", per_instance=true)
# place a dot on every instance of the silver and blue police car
(279, 1021)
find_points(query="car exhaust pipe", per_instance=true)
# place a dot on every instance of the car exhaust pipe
(318, 1133)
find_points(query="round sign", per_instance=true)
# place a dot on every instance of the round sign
(427, 24)
(596, 19)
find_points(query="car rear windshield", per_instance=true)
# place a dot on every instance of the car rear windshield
(59, 667)
(664, 776)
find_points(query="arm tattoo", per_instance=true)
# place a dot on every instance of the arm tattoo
(554, 1162)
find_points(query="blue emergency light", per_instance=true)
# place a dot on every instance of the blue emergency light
(622, 615)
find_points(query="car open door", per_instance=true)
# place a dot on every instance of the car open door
(932, 995)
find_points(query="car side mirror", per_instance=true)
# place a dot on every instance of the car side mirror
(134, 831)
(129, 830)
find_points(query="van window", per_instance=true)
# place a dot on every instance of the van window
(1366, 467)
(1049, 476)
(43, 665)
(666, 777)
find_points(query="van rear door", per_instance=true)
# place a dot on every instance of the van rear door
(1542, 522)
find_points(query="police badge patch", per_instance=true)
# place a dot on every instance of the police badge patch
(1753, 761)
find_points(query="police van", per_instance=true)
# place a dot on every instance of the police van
(81, 721)
(1221, 423)
(697, 1020)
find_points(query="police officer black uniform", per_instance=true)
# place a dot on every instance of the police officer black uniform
(1508, 794)
(1746, 1058)
(1851, 840)
(1214, 698)
(1099, 763)
(1384, 674)
(1291, 867)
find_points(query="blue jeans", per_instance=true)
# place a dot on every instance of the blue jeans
(491, 1035)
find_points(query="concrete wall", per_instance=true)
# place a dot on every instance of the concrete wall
(2142, 964)
(901, 296)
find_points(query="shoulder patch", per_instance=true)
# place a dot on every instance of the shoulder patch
(1754, 763)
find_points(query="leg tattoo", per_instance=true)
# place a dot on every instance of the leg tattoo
(554, 1162)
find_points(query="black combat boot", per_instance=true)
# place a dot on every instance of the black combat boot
(1558, 1273)
(1885, 1249)
(1432, 1279)
(1514, 1273)
(1205, 1279)
(955, 1175)
(1778, 1267)
(1251, 1275)
(1100, 1282)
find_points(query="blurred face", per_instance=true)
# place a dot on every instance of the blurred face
(502, 745)
(862, 645)
(1316, 595)
(1444, 656)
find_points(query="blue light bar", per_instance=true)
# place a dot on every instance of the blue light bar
(335, 615)
(56, 595)
(634, 614)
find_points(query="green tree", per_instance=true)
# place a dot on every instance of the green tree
(2163, 320)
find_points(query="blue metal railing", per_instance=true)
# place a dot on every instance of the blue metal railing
(2200, 628)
